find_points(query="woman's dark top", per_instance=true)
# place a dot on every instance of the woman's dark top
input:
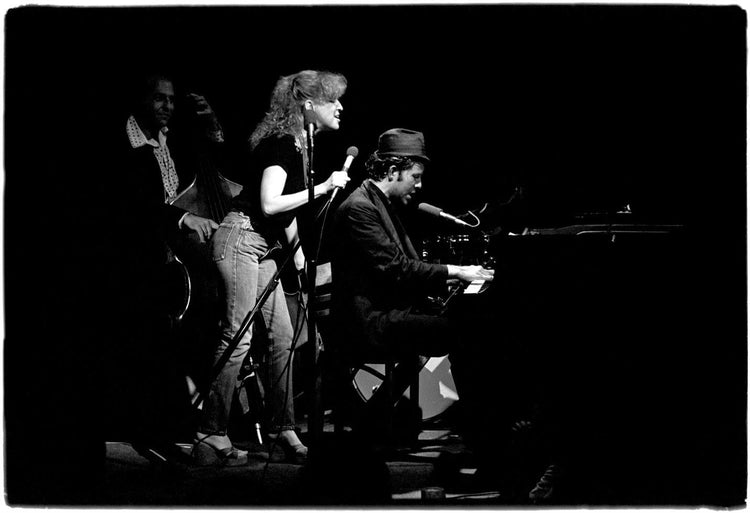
(271, 151)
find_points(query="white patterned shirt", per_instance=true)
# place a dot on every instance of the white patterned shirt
(161, 152)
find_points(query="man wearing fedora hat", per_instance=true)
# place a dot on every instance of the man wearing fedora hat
(377, 274)
(378, 279)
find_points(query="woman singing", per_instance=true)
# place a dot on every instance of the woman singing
(264, 213)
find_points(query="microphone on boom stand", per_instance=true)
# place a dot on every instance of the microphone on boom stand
(438, 212)
(309, 121)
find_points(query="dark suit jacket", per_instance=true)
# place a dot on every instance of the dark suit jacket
(140, 223)
(377, 274)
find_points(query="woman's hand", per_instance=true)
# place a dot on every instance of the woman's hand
(337, 179)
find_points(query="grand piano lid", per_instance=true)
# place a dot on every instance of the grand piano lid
(607, 228)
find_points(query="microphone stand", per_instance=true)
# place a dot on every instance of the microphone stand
(246, 323)
(315, 417)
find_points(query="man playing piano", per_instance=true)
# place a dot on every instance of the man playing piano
(378, 277)
(379, 283)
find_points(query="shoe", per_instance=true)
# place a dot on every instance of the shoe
(255, 451)
(545, 487)
(296, 453)
(205, 455)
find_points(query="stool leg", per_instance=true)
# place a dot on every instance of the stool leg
(414, 388)
(419, 363)
(343, 382)
(388, 384)
(414, 394)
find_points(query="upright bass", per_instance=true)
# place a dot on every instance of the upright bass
(208, 195)
(195, 283)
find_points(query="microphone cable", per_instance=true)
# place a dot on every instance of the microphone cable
(324, 211)
(287, 370)
(302, 315)
(475, 217)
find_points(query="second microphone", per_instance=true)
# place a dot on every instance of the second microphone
(351, 154)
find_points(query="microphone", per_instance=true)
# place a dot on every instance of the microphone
(438, 212)
(351, 154)
(309, 121)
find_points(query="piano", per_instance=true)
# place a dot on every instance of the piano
(612, 323)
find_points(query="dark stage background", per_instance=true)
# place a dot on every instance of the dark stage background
(586, 108)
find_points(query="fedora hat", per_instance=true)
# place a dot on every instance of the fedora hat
(401, 142)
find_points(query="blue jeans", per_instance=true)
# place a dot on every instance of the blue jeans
(238, 252)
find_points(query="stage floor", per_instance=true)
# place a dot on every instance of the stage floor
(339, 476)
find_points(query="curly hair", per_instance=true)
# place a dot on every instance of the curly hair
(288, 98)
(142, 86)
(378, 167)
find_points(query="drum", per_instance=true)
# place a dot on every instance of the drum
(437, 391)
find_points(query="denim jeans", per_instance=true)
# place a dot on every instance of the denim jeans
(238, 252)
